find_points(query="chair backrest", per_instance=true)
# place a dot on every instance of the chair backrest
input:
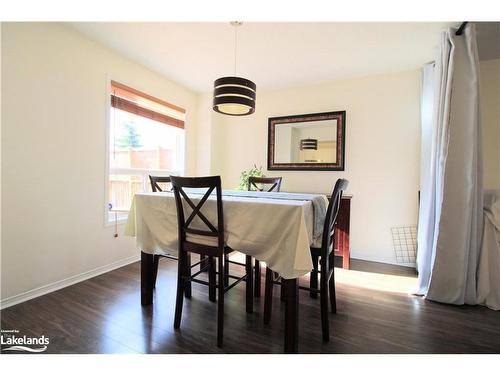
(210, 183)
(275, 183)
(331, 216)
(156, 180)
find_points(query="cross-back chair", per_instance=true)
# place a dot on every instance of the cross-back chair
(216, 251)
(157, 180)
(275, 183)
(156, 187)
(253, 183)
(324, 254)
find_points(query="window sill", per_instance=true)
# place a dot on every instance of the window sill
(121, 220)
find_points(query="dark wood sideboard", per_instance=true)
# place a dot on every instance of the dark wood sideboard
(341, 245)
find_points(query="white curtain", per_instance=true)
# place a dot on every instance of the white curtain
(488, 275)
(427, 210)
(450, 221)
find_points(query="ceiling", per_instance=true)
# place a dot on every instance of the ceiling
(273, 55)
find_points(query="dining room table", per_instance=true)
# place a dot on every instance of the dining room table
(277, 228)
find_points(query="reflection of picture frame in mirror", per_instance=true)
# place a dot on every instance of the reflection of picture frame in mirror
(310, 142)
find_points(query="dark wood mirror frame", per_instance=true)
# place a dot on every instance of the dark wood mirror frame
(339, 165)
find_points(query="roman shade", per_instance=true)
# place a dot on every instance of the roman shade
(130, 100)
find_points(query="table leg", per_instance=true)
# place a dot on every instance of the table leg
(258, 280)
(291, 315)
(147, 278)
(156, 261)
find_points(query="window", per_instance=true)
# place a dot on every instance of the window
(146, 136)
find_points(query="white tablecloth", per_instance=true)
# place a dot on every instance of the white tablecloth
(488, 275)
(276, 231)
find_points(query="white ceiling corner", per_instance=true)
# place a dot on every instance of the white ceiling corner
(273, 55)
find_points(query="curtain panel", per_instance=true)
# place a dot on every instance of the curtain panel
(451, 207)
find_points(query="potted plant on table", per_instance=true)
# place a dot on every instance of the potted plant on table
(245, 175)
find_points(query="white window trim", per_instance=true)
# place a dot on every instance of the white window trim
(107, 220)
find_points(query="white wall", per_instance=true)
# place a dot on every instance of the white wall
(204, 135)
(490, 112)
(382, 151)
(53, 152)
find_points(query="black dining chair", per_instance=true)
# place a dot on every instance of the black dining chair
(157, 180)
(326, 271)
(156, 187)
(259, 184)
(216, 251)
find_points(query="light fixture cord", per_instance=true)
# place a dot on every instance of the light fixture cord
(235, 46)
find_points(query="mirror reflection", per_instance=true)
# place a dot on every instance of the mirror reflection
(306, 142)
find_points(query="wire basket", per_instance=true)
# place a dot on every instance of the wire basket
(404, 240)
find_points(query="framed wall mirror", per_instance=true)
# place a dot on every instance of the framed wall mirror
(312, 142)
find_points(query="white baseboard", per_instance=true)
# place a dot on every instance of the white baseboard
(52, 287)
(384, 261)
(378, 259)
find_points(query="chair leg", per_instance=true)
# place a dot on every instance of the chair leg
(249, 283)
(332, 259)
(147, 272)
(282, 292)
(268, 297)
(313, 282)
(187, 288)
(324, 299)
(257, 278)
(202, 257)
(220, 302)
(333, 298)
(156, 261)
(179, 300)
(226, 270)
(212, 279)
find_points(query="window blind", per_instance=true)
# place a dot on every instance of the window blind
(141, 104)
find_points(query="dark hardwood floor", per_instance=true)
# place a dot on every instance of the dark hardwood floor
(104, 315)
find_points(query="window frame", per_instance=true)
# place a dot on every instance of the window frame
(108, 220)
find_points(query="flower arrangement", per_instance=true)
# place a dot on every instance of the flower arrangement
(245, 175)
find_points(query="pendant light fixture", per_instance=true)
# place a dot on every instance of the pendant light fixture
(233, 95)
(308, 144)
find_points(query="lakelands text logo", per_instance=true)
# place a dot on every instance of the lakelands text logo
(11, 340)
